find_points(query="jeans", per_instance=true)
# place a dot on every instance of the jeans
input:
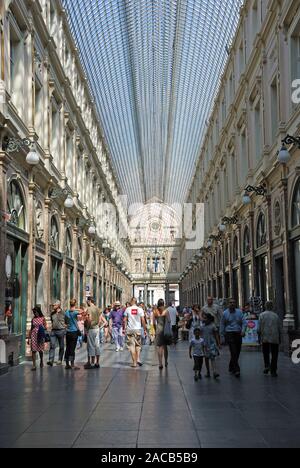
(273, 349)
(234, 340)
(57, 336)
(71, 340)
(117, 337)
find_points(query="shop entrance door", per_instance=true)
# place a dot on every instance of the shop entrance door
(20, 287)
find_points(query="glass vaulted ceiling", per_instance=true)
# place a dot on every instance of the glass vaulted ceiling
(154, 68)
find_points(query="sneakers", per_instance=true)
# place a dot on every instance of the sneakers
(121, 349)
(50, 363)
(196, 378)
(117, 350)
(58, 363)
(267, 370)
(216, 376)
(68, 367)
(88, 365)
(97, 366)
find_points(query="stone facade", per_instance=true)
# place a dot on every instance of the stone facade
(257, 254)
(47, 252)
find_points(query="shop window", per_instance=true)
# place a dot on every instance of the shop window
(261, 237)
(247, 244)
(16, 205)
(296, 207)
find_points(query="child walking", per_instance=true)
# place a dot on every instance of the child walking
(197, 352)
(211, 344)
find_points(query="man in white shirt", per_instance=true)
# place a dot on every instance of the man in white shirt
(134, 318)
(214, 310)
(173, 314)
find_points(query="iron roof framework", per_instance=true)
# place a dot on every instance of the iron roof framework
(154, 68)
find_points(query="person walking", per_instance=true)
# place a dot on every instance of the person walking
(194, 321)
(161, 315)
(144, 335)
(232, 330)
(270, 334)
(106, 315)
(174, 317)
(133, 318)
(93, 335)
(37, 336)
(196, 351)
(116, 320)
(57, 335)
(8, 316)
(211, 344)
(214, 310)
(73, 332)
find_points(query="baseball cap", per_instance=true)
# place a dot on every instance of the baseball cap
(117, 303)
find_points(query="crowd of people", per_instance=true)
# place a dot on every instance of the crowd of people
(136, 325)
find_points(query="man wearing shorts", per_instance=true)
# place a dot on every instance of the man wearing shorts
(134, 318)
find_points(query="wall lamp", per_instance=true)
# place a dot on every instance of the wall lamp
(83, 222)
(217, 238)
(11, 145)
(284, 155)
(227, 221)
(58, 192)
(260, 191)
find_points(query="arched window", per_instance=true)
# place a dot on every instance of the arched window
(16, 205)
(235, 249)
(39, 221)
(69, 250)
(54, 233)
(220, 260)
(277, 218)
(296, 206)
(246, 243)
(261, 237)
(226, 255)
(79, 253)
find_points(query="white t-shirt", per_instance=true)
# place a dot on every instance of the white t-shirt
(134, 315)
(173, 314)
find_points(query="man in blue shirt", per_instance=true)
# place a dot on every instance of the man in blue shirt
(233, 328)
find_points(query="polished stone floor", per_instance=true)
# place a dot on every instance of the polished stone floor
(117, 406)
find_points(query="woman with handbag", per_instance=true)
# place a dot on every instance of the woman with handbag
(73, 332)
(37, 336)
(163, 332)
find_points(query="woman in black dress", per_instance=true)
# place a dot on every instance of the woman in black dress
(160, 316)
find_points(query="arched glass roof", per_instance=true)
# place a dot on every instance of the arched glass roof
(154, 68)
